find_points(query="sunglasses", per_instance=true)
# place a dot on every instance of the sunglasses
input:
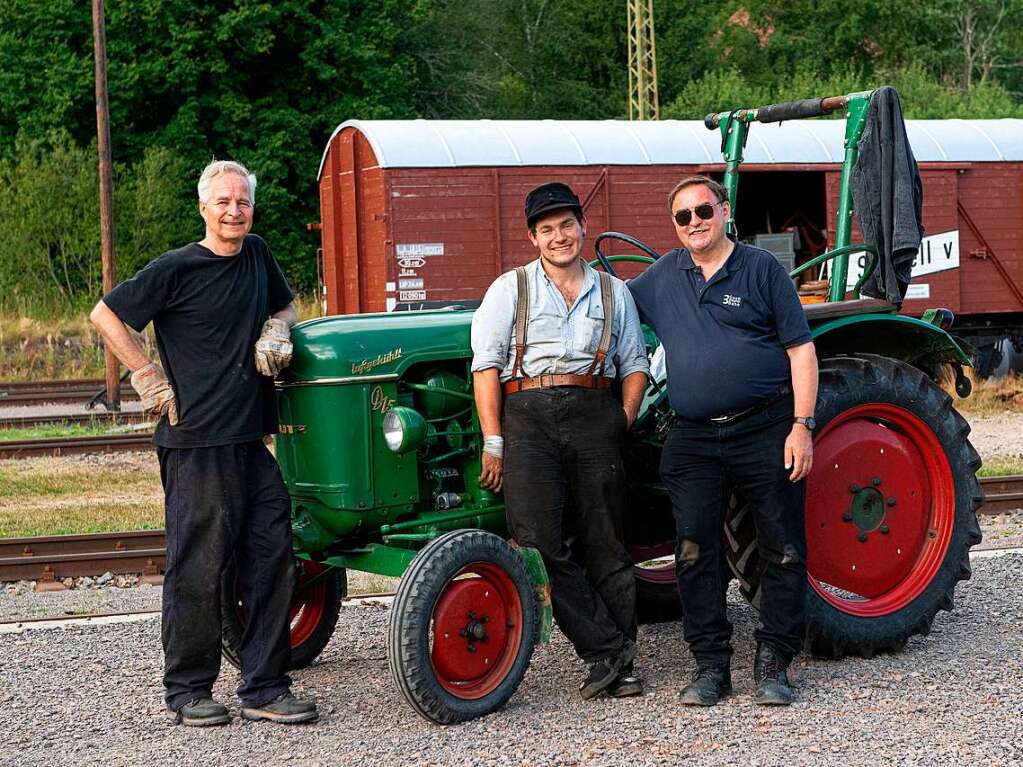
(704, 212)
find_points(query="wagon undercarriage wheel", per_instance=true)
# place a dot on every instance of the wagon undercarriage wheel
(890, 511)
(313, 614)
(462, 627)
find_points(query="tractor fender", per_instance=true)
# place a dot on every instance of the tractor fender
(911, 340)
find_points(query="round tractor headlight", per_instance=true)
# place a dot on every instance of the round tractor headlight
(404, 430)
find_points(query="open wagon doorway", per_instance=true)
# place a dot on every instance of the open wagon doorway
(785, 212)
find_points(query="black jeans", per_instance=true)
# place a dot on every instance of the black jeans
(225, 502)
(701, 464)
(564, 492)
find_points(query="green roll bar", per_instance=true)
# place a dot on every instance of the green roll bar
(734, 128)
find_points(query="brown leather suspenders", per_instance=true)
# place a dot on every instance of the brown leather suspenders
(607, 300)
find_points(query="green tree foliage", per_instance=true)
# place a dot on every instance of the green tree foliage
(49, 214)
(261, 82)
(266, 83)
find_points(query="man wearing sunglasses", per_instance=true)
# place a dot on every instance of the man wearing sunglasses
(742, 382)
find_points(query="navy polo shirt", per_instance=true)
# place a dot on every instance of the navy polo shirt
(724, 339)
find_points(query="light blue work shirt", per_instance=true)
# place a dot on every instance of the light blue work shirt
(559, 339)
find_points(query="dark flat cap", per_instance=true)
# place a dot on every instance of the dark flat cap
(548, 197)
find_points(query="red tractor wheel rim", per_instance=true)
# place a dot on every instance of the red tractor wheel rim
(654, 564)
(308, 604)
(880, 509)
(477, 631)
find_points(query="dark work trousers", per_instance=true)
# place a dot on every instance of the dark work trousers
(701, 464)
(221, 503)
(564, 494)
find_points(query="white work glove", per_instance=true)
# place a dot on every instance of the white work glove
(273, 349)
(155, 392)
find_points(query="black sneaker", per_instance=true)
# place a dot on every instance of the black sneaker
(202, 712)
(604, 672)
(284, 709)
(710, 684)
(769, 672)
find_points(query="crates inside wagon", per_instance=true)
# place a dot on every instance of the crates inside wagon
(423, 214)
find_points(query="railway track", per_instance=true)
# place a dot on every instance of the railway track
(71, 556)
(99, 443)
(76, 419)
(44, 392)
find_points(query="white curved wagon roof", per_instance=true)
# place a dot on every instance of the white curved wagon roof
(462, 143)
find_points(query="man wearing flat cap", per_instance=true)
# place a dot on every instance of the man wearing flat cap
(548, 341)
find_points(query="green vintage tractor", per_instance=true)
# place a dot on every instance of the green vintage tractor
(380, 447)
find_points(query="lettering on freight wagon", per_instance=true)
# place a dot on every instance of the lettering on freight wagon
(411, 263)
(414, 249)
(414, 283)
(381, 359)
(918, 291)
(937, 253)
(411, 295)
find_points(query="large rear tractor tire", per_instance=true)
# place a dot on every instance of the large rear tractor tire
(314, 611)
(891, 509)
(462, 627)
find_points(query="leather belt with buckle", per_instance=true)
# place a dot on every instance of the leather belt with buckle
(555, 380)
(783, 392)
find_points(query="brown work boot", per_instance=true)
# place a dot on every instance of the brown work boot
(202, 712)
(284, 709)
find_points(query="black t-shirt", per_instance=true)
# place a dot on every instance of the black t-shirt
(725, 339)
(208, 312)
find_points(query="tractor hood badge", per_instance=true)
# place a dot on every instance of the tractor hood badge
(380, 359)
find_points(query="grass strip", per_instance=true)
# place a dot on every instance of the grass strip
(62, 497)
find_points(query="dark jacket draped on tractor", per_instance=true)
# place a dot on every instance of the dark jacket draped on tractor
(888, 197)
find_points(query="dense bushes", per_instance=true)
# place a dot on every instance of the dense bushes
(49, 220)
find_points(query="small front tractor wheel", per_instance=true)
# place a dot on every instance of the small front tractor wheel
(462, 627)
(891, 509)
(314, 611)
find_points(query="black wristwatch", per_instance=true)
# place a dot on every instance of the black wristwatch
(807, 421)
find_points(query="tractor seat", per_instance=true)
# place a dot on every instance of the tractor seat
(832, 309)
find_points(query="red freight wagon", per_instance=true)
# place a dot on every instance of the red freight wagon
(424, 213)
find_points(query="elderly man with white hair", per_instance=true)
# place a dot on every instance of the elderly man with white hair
(222, 311)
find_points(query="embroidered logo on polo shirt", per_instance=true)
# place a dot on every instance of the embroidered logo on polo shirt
(728, 300)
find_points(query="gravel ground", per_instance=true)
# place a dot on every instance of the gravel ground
(1000, 434)
(952, 697)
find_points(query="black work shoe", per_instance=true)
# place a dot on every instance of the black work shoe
(285, 709)
(202, 712)
(769, 672)
(603, 673)
(710, 684)
(626, 684)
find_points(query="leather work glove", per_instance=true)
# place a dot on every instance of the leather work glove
(155, 392)
(273, 349)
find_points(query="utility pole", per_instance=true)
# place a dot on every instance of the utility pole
(643, 104)
(106, 189)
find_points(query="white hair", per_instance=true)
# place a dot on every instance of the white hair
(217, 167)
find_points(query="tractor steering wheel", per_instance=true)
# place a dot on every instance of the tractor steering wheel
(605, 261)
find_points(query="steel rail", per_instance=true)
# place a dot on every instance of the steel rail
(42, 392)
(77, 419)
(120, 553)
(100, 443)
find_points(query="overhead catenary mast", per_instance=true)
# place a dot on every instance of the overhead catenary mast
(643, 102)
